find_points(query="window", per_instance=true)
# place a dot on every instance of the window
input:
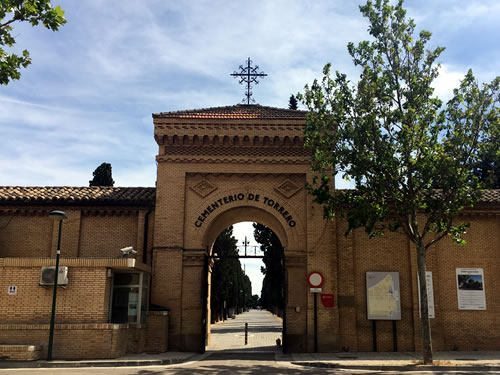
(129, 297)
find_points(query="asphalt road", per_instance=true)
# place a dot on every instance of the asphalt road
(222, 363)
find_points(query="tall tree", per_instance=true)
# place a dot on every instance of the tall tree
(292, 103)
(272, 295)
(394, 139)
(228, 282)
(32, 11)
(102, 176)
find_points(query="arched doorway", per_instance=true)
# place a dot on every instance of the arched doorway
(247, 289)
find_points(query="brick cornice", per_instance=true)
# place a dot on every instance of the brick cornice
(118, 263)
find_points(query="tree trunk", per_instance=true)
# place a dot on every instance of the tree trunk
(424, 305)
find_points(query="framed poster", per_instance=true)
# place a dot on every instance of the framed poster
(470, 289)
(382, 296)
(430, 294)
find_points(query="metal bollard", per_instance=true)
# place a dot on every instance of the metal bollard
(246, 333)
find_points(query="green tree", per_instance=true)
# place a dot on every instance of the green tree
(102, 176)
(396, 141)
(228, 282)
(292, 103)
(32, 11)
(272, 294)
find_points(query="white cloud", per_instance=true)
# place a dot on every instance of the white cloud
(449, 78)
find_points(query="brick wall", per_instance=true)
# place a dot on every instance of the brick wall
(71, 341)
(25, 236)
(156, 332)
(104, 236)
(90, 233)
(452, 329)
(84, 300)
(20, 352)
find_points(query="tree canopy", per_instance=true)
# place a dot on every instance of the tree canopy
(410, 158)
(102, 176)
(272, 294)
(292, 103)
(228, 282)
(32, 11)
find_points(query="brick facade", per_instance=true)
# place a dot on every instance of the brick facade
(217, 167)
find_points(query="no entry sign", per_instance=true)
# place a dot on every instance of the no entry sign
(315, 279)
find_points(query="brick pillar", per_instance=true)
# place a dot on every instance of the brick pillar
(296, 309)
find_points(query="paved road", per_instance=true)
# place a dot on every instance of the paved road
(222, 363)
(263, 330)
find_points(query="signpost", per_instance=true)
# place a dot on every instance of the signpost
(315, 280)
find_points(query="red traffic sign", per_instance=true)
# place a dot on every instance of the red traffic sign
(315, 279)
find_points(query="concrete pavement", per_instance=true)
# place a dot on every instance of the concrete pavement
(264, 329)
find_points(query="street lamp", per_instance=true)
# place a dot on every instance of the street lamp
(56, 216)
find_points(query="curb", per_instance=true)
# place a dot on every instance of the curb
(396, 368)
(77, 364)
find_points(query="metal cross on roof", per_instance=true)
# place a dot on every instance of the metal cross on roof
(248, 74)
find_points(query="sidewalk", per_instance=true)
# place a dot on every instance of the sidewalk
(400, 361)
(167, 358)
(264, 329)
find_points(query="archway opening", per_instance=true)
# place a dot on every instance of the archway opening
(247, 289)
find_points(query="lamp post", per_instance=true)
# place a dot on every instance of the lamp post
(56, 216)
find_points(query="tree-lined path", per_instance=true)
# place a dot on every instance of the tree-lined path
(263, 330)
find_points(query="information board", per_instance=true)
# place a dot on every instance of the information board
(382, 296)
(470, 289)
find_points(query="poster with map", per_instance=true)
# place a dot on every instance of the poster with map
(382, 296)
(470, 289)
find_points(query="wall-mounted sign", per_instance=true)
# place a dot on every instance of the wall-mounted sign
(430, 294)
(12, 290)
(382, 296)
(327, 300)
(470, 289)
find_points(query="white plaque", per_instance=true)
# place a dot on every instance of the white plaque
(430, 294)
(315, 290)
(12, 290)
(470, 289)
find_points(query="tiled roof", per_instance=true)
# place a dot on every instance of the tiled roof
(103, 195)
(95, 195)
(239, 111)
(490, 196)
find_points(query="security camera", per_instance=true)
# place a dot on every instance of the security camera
(129, 250)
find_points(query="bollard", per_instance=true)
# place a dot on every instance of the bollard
(246, 333)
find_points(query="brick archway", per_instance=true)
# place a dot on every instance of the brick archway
(219, 166)
(244, 213)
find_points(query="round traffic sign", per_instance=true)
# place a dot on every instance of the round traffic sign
(315, 279)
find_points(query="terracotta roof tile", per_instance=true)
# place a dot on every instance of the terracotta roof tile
(491, 196)
(97, 195)
(103, 195)
(239, 111)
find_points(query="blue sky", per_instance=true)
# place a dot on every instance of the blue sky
(90, 92)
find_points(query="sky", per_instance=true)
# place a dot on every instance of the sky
(88, 96)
